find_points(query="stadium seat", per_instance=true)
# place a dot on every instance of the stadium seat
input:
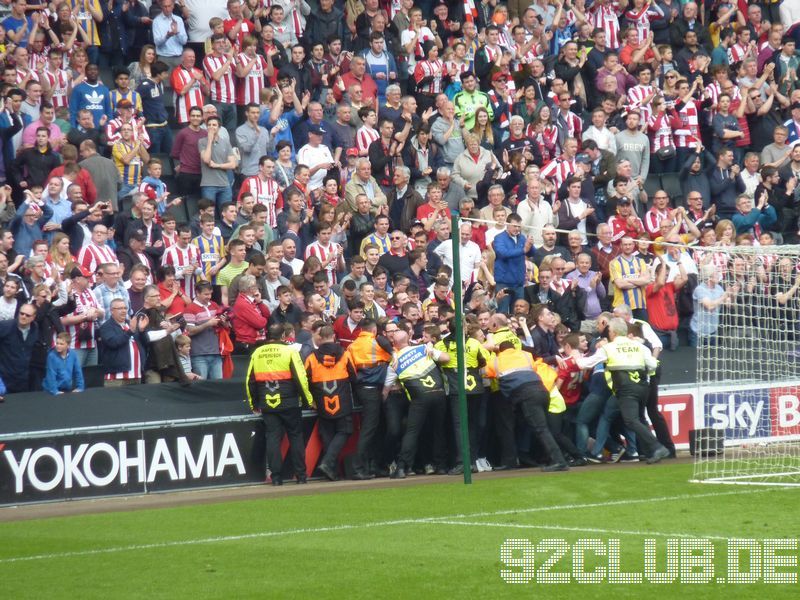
(651, 185)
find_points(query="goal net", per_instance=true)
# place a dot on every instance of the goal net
(747, 325)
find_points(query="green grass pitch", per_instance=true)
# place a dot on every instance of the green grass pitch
(421, 541)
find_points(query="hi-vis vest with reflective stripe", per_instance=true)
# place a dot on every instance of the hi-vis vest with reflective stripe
(370, 359)
(329, 381)
(513, 369)
(475, 356)
(417, 371)
(504, 334)
(625, 354)
(276, 378)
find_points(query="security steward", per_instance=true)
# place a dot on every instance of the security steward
(277, 387)
(627, 363)
(475, 357)
(521, 385)
(501, 410)
(330, 375)
(417, 370)
(371, 355)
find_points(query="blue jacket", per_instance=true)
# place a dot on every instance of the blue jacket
(745, 223)
(112, 342)
(24, 234)
(509, 262)
(63, 374)
(15, 354)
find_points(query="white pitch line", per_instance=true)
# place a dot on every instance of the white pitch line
(353, 526)
(581, 529)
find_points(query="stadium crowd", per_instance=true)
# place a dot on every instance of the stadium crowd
(188, 181)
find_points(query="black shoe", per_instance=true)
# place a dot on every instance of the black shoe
(457, 470)
(329, 472)
(379, 472)
(578, 462)
(527, 461)
(361, 476)
(503, 468)
(658, 455)
(277, 481)
(595, 460)
(302, 479)
(555, 467)
(440, 471)
(399, 473)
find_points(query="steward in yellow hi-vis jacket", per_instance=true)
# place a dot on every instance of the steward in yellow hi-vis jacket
(277, 387)
(475, 358)
(330, 374)
(416, 368)
(515, 371)
(627, 364)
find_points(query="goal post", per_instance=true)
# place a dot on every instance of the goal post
(747, 326)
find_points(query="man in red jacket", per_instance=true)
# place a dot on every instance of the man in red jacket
(250, 315)
(346, 327)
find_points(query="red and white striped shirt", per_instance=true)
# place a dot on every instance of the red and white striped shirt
(653, 219)
(659, 128)
(738, 52)
(547, 140)
(689, 132)
(250, 86)
(714, 90)
(425, 69)
(22, 74)
(169, 239)
(35, 59)
(574, 124)
(606, 17)
(180, 78)
(492, 53)
(59, 84)
(113, 134)
(636, 96)
(83, 302)
(224, 90)
(641, 20)
(559, 169)
(364, 137)
(92, 256)
(180, 258)
(135, 371)
(322, 253)
(266, 193)
(454, 69)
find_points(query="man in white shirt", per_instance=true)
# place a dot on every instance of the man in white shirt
(601, 134)
(316, 157)
(469, 253)
(536, 212)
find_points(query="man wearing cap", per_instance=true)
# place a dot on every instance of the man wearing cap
(80, 323)
(125, 111)
(134, 254)
(316, 157)
(625, 222)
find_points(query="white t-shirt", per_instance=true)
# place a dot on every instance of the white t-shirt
(311, 157)
(7, 309)
(576, 209)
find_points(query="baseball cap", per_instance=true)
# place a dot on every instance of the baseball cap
(583, 158)
(623, 200)
(315, 129)
(499, 76)
(79, 271)
(138, 235)
(352, 152)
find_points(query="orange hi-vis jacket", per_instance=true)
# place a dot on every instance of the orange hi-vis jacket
(330, 374)
(371, 356)
(515, 369)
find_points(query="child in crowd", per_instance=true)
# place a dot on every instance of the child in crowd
(157, 189)
(63, 368)
(184, 345)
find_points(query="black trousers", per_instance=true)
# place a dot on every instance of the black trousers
(428, 407)
(371, 401)
(502, 413)
(556, 424)
(188, 185)
(533, 402)
(473, 411)
(631, 396)
(655, 416)
(278, 423)
(334, 434)
(395, 411)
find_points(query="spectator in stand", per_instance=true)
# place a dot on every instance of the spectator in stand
(108, 289)
(29, 224)
(217, 159)
(64, 373)
(203, 318)
(250, 317)
(122, 352)
(17, 339)
(102, 171)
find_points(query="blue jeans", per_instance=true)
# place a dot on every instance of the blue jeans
(87, 357)
(160, 140)
(590, 410)
(610, 414)
(126, 190)
(220, 194)
(208, 366)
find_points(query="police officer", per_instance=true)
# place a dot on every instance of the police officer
(415, 367)
(627, 364)
(522, 386)
(370, 355)
(474, 360)
(330, 373)
(277, 387)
